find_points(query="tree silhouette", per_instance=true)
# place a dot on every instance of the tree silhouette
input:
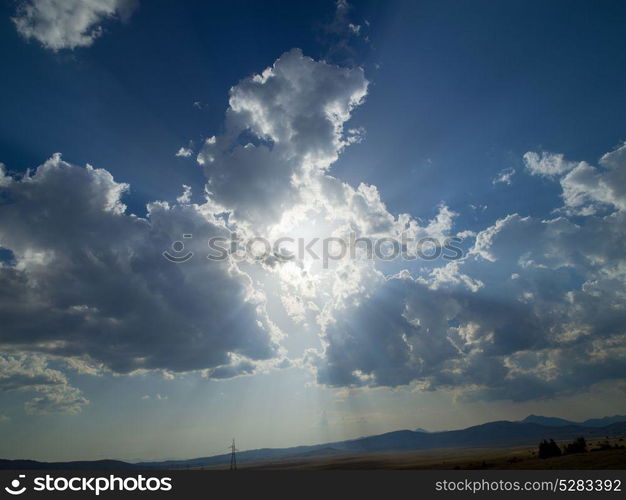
(577, 446)
(549, 449)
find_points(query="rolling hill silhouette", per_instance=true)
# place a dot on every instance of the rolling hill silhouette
(492, 434)
(560, 422)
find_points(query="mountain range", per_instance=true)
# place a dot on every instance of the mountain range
(561, 422)
(491, 434)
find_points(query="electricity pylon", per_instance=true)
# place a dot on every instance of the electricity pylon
(233, 456)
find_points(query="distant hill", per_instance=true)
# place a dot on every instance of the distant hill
(82, 465)
(601, 422)
(420, 429)
(492, 434)
(561, 422)
(548, 421)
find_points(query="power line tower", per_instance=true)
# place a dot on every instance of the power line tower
(233, 456)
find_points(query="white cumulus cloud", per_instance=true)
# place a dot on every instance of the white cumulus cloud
(505, 176)
(184, 152)
(30, 373)
(68, 24)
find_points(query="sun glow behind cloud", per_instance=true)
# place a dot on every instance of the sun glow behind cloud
(373, 328)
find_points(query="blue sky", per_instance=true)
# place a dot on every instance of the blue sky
(445, 98)
(471, 88)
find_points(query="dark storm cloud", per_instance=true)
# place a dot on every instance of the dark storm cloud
(547, 317)
(90, 279)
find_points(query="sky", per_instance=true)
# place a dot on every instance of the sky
(128, 124)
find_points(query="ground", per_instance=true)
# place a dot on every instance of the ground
(457, 458)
